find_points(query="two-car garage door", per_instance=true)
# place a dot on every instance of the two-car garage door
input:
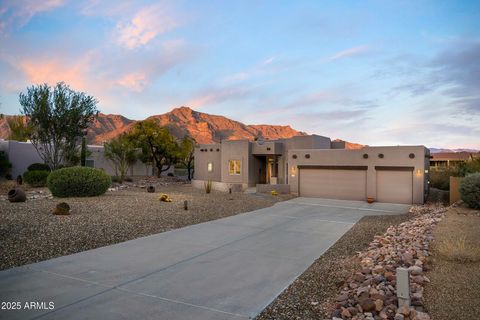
(393, 184)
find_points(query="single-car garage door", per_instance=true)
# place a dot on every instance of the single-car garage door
(344, 183)
(395, 185)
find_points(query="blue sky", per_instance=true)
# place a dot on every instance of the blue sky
(372, 72)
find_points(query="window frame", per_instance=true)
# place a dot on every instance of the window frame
(209, 167)
(237, 164)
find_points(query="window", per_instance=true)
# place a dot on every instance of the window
(210, 167)
(89, 163)
(234, 167)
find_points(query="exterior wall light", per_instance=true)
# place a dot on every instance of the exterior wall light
(419, 172)
(293, 172)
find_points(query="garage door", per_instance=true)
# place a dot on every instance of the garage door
(343, 184)
(395, 186)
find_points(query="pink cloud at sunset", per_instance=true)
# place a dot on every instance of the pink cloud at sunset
(145, 25)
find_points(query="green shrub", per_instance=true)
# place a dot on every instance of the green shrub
(470, 190)
(78, 182)
(440, 178)
(39, 166)
(36, 178)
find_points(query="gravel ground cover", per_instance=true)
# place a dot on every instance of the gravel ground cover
(306, 298)
(29, 232)
(454, 289)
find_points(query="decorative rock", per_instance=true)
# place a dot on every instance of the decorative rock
(415, 270)
(17, 195)
(404, 310)
(62, 209)
(399, 316)
(367, 305)
(342, 297)
(378, 305)
(353, 311)
(346, 313)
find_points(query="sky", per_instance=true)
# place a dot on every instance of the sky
(372, 72)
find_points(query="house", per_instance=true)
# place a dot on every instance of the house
(23, 154)
(313, 166)
(448, 159)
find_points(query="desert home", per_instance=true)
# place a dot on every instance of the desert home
(314, 166)
(448, 159)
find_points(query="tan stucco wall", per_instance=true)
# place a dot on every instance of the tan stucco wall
(202, 158)
(236, 150)
(393, 156)
(100, 162)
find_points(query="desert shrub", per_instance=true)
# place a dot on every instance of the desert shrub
(36, 178)
(440, 178)
(38, 167)
(78, 182)
(470, 190)
(458, 248)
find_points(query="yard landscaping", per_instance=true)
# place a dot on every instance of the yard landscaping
(29, 232)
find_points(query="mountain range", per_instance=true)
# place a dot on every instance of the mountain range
(203, 127)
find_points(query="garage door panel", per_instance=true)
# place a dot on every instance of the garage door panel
(333, 184)
(395, 186)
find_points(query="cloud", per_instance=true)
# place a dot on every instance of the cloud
(53, 70)
(214, 96)
(145, 26)
(453, 73)
(17, 13)
(351, 52)
(136, 81)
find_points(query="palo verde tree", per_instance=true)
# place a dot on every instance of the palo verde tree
(186, 155)
(158, 146)
(57, 117)
(122, 152)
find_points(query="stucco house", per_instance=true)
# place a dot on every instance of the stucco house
(314, 166)
(447, 159)
(23, 154)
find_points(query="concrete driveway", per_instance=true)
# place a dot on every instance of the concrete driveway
(230, 268)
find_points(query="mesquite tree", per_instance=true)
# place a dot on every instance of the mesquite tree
(158, 145)
(186, 155)
(57, 117)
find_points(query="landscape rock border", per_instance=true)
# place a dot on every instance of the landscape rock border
(370, 293)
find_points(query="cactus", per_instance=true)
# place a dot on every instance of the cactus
(208, 186)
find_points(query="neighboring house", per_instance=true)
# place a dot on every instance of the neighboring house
(23, 154)
(449, 159)
(313, 166)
